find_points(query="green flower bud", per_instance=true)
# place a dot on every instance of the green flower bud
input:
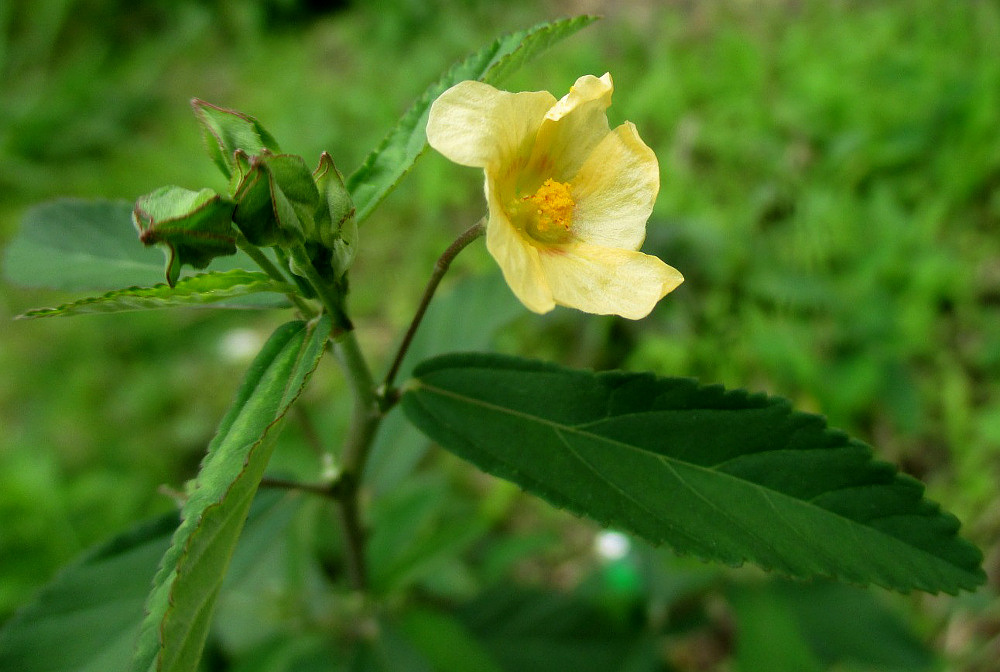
(336, 227)
(276, 200)
(194, 227)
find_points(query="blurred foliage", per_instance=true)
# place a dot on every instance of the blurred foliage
(831, 191)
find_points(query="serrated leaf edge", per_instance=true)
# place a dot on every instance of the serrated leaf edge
(255, 283)
(977, 576)
(418, 107)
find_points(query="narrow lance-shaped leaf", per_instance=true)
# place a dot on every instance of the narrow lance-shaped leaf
(386, 165)
(724, 475)
(191, 573)
(201, 289)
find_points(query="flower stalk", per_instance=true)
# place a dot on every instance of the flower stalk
(440, 268)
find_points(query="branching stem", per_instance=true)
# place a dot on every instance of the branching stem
(370, 403)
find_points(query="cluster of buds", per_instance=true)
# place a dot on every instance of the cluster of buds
(273, 200)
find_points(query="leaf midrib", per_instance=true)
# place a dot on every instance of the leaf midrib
(767, 493)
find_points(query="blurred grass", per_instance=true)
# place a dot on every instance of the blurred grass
(831, 191)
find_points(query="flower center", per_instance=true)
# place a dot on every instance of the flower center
(553, 211)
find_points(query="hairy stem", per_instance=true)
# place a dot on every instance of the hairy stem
(440, 268)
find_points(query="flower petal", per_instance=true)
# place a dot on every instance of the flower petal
(474, 124)
(615, 191)
(518, 260)
(573, 127)
(608, 281)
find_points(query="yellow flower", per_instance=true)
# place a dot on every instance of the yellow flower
(568, 196)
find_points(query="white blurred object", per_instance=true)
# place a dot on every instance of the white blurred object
(611, 546)
(239, 345)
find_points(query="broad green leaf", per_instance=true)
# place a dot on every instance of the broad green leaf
(533, 631)
(821, 626)
(723, 475)
(227, 132)
(191, 573)
(193, 227)
(398, 151)
(446, 642)
(75, 244)
(80, 245)
(195, 290)
(87, 619)
(415, 530)
(768, 636)
(292, 651)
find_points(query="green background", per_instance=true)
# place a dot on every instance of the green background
(830, 190)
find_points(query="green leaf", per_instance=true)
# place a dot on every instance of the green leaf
(533, 631)
(797, 626)
(276, 200)
(723, 475)
(79, 245)
(191, 573)
(87, 619)
(74, 244)
(415, 531)
(386, 165)
(195, 290)
(446, 643)
(194, 227)
(769, 638)
(227, 132)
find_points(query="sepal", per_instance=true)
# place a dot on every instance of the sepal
(335, 225)
(194, 227)
(276, 200)
(227, 132)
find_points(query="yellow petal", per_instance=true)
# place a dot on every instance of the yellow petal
(573, 127)
(607, 281)
(615, 191)
(587, 89)
(474, 124)
(518, 260)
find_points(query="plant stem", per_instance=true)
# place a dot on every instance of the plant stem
(321, 489)
(273, 272)
(364, 423)
(366, 408)
(440, 268)
(370, 403)
(330, 300)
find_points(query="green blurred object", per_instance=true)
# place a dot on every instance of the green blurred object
(829, 191)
